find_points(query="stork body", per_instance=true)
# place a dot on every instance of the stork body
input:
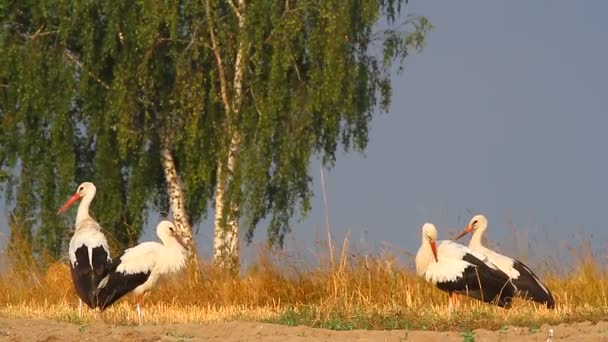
(139, 268)
(529, 286)
(456, 269)
(88, 250)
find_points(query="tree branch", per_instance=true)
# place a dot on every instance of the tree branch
(235, 9)
(71, 56)
(239, 64)
(38, 33)
(218, 57)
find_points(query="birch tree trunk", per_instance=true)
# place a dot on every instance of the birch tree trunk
(226, 237)
(226, 223)
(176, 198)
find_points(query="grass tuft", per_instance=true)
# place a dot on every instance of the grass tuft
(468, 336)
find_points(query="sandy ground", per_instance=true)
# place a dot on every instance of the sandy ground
(45, 330)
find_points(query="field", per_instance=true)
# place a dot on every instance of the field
(281, 297)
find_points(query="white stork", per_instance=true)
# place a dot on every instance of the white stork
(455, 269)
(139, 268)
(528, 284)
(88, 249)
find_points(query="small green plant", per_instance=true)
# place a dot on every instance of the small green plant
(73, 317)
(178, 335)
(338, 324)
(290, 318)
(468, 336)
(394, 322)
(533, 328)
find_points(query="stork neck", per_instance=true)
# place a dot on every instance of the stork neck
(83, 209)
(173, 244)
(167, 240)
(476, 238)
(424, 258)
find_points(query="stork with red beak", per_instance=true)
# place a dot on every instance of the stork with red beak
(88, 250)
(139, 268)
(528, 284)
(456, 269)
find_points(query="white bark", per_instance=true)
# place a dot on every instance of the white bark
(239, 66)
(176, 198)
(226, 237)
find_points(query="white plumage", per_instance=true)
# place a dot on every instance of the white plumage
(450, 266)
(89, 237)
(141, 258)
(140, 267)
(528, 284)
(455, 268)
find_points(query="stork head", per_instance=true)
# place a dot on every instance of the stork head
(478, 222)
(429, 234)
(166, 230)
(84, 189)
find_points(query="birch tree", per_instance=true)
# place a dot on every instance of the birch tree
(296, 79)
(182, 106)
(106, 92)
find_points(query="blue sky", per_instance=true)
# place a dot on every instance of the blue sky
(503, 113)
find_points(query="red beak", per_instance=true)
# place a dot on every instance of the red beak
(464, 232)
(434, 248)
(69, 203)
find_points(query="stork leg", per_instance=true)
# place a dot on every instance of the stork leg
(139, 314)
(79, 307)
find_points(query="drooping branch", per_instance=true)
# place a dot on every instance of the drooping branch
(218, 57)
(71, 56)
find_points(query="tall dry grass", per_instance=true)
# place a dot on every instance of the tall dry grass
(342, 289)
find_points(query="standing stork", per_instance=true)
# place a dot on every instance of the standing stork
(139, 268)
(528, 284)
(456, 269)
(88, 250)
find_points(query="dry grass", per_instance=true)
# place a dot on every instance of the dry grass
(356, 290)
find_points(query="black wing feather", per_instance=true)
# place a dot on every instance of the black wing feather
(483, 283)
(118, 285)
(530, 287)
(86, 278)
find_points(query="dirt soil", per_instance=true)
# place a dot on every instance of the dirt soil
(46, 330)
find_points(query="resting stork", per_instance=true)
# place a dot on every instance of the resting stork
(456, 269)
(88, 250)
(139, 268)
(528, 284)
